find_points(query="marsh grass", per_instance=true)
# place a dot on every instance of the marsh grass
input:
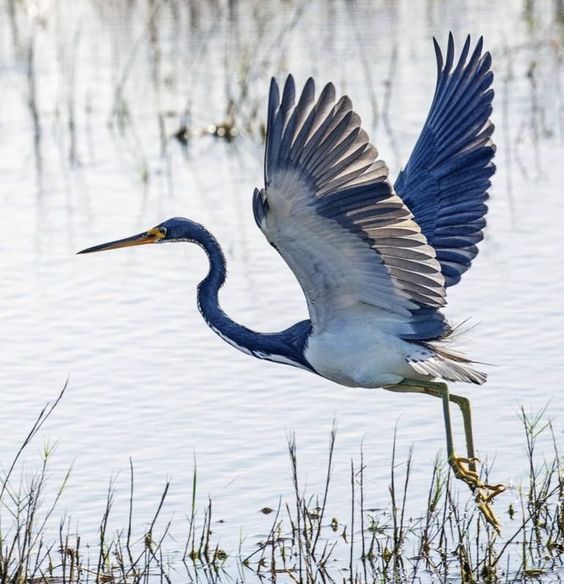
(446, 541)
(182, 112)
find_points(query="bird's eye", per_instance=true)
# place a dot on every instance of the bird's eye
(162, 231)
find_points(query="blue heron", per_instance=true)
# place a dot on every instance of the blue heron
(374, 260)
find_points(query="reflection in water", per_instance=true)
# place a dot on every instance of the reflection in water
(111, 83)
(33, 112)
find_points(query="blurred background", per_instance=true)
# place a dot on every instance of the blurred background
(116, 115)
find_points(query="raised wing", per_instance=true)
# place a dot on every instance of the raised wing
(330, 211)
(445, 182)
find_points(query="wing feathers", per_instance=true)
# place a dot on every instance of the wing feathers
(446, 179)
(330, 211)
(298, 117)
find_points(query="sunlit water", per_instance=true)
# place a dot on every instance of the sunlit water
(148, 380)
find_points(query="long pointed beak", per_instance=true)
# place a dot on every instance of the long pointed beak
(151, 236)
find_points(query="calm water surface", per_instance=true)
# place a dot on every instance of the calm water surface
(148, 380)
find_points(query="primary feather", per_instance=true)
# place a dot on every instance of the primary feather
(446, 179)
(374, 264)
(330, 210)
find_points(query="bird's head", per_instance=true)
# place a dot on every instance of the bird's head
(175, 229)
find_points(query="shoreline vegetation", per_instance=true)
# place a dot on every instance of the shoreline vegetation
(447, 541)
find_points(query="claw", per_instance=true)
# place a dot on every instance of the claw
(466, 460)
(484, 493)
(483, 504)
(495, 490)
(470, 477)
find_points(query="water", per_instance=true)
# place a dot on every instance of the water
(148, 380)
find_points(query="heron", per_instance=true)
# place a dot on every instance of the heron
(374, 260)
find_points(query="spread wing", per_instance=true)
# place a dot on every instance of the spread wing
(330, 211)
(446, 179)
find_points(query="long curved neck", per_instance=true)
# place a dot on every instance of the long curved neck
(286, 346)
(208, 291)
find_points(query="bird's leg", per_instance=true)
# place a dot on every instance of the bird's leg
(464, 405)
(463, 468)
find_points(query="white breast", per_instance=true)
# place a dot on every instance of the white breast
(358, 349)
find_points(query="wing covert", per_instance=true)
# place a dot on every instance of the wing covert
(330, 211)
(446, 179)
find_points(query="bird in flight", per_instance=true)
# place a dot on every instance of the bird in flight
(374, 260)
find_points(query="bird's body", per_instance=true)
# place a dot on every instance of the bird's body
(356, 352)
(374, 260)
(357, 346)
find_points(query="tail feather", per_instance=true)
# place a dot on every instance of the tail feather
(430, 359)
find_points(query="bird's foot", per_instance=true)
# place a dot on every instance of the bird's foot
(493, 491)
(461, 468)
(484, 492)
(483, 502)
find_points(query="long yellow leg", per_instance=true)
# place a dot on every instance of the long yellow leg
(463, 468)
(464, 405)
(437, 389)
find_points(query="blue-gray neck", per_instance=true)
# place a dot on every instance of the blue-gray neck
(285, 347)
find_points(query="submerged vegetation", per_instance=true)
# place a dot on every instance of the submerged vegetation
(446, 541)
(169, 50)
